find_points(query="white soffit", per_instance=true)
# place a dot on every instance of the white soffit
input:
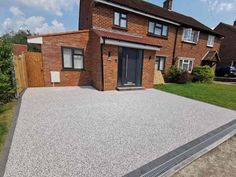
(129, 44)
(37, 40)
(136, 11)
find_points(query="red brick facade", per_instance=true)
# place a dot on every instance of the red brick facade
(102, 71)
(18, 49)
(52, 59)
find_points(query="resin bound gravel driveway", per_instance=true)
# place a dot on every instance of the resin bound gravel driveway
(81, 132)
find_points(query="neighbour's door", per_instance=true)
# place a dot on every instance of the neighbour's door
(130, 67)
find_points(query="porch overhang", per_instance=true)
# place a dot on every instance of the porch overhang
(128, 44)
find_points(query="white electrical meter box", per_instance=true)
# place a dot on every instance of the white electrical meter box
(55, 77)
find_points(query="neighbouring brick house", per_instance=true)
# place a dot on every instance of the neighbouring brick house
(120, 43)
(228, 44)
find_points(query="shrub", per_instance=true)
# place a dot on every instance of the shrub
(179, 76)
(203, 74)
(7, 88)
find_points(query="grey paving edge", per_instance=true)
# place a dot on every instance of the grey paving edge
(8, 141)
(175, 160)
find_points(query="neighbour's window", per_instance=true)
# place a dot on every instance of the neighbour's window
(160, 63)
(120, 19)
(190, 35)
(211, 40)
(157, 29)
(186, 64)
(72, 58)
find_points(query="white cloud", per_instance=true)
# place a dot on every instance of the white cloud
(36, 24)
(57, 7)
(220, 6)
(16, 11)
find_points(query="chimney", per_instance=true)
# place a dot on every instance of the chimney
(235, 23)
(168, 4)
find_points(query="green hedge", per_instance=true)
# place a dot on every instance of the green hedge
(203, 74)
(7, 87)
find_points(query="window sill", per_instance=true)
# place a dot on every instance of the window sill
(65, 69)
(153, 35)
(190, 42)
(119, 28)
(210, 46)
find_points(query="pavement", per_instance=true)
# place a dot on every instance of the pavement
(81, 132)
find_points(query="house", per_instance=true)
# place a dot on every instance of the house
(228, 44)
(120, 44)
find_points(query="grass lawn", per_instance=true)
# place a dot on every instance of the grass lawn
(217, 94)
(6, 114)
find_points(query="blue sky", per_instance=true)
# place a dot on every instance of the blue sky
(43, 16)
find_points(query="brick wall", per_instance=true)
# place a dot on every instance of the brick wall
(18, 49)
(110, 67)
(196, 51)
(52, 59)
(148, 69)
(85, 17)
(103, 18)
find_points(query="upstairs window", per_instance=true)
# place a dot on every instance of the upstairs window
(211, 41)
(190, 35)
(72, 58)
(120, 19)
(157, 29)
(186, 64)
(160, 63)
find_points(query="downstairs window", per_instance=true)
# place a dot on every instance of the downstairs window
(186, 64)
(72, 58)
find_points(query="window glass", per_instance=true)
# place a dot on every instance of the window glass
(78, 62)
(123, 23)
(123, 15)
(157, 29)
(190, 65)
(67, 58)
(160, 63)
(117, 18)
(211, 40)
(120, 19)
(151, 27)
(190, 35)
(72, 58)
(186, 64)
(164, 30)
(78, 51)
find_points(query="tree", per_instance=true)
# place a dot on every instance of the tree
(20, 37)
(7, 86)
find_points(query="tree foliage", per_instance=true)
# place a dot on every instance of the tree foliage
(7, 86)
(20, 37)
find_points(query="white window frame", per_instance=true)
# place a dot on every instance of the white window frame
(190, 36)
(210, 41)
(189, 60)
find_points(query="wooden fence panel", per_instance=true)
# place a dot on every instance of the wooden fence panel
(20, 73)
(34, 65)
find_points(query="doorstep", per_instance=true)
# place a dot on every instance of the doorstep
(129, 88)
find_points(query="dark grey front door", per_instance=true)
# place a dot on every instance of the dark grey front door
(130, 67)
